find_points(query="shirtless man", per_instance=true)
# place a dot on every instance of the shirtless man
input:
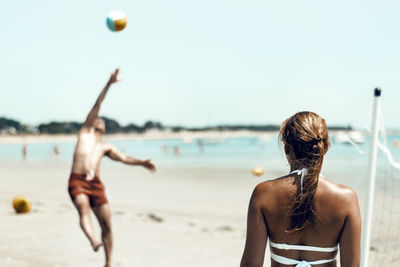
(85, 188)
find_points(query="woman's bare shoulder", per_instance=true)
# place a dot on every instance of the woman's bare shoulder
(271, 185)
(334, 188)
(338, 194)
(270, 190)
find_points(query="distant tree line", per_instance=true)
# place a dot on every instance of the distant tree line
(12, 126)
(112, 126)
(9, 126)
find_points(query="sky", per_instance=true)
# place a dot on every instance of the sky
(197, 63)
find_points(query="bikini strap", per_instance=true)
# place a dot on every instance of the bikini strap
(302, 247)
(303, 263)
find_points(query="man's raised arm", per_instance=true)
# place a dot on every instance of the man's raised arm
(94, 112)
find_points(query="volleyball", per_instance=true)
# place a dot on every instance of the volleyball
(258, 171)
(21, 204)
(116, 21)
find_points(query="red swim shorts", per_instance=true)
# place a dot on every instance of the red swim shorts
(94, 189)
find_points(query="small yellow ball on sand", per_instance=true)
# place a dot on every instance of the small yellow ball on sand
(257, 171)
(21, 204)
(395, 143)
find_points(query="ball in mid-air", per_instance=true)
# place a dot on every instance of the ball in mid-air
(116, 21)
(21, 204)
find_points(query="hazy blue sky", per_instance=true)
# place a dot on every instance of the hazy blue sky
(201, 62)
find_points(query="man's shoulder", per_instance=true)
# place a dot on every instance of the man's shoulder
(86, 130)
(106, 146)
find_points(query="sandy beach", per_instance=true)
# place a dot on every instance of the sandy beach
(176, 217)
(179, 216)
(201, 89)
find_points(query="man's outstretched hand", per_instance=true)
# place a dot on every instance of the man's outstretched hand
(114, 77)
(149, 165)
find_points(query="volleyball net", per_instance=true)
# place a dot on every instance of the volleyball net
(381, 220)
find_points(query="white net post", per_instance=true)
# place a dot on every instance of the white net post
(367, 222)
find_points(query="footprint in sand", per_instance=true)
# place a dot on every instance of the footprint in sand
(224, 228)
(155, 218)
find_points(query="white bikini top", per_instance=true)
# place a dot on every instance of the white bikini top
(303, 263)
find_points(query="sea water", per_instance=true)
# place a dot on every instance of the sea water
(239, 152)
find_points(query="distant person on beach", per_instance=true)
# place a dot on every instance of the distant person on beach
(85, 187)
(305, 216)
(177, 151)
(57, 150)
(200, 144)
(24, 151)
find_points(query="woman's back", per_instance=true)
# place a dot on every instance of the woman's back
(304, 215)
(332, 203)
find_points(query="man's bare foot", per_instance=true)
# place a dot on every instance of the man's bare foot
(108, 265)
(96, 245)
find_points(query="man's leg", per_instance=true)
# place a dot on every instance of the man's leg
(103, 214)
(81, 203)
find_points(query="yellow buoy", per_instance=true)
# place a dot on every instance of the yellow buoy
(257, 171)
(21, 204)
(395, 143)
